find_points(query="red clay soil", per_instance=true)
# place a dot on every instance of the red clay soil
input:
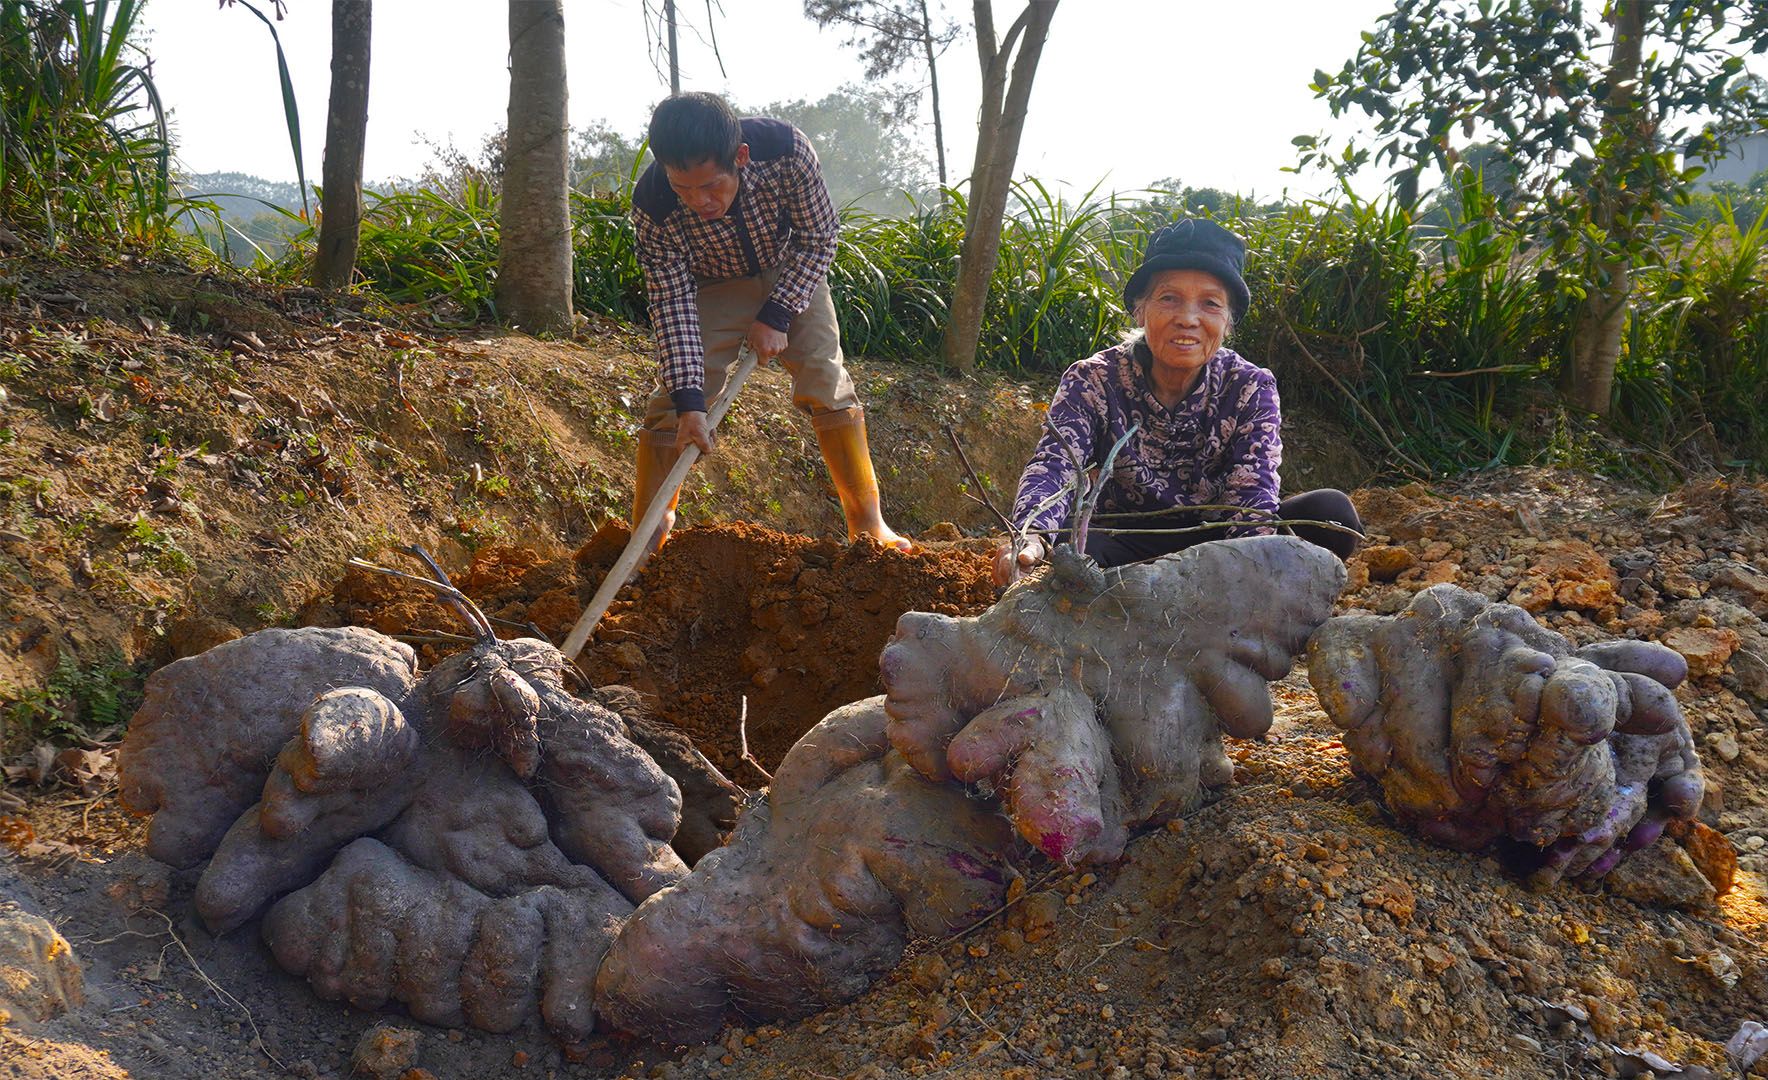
(724, 613)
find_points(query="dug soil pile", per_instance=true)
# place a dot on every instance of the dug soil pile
(1286, 929)
(726, 619)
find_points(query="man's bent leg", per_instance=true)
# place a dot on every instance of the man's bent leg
(822, 387)
(656, 456)
(727, 310)
(721, 331)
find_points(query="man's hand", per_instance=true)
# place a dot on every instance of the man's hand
(766, 341)
(691, 427)
(1010, 565)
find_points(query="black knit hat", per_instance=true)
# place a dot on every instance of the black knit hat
(1194, 244)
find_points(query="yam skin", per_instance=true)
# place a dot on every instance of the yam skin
(467, 845)
(210, 726)
(710, 802)
(1477, 723)
(340, 777)
(1095, 701)
(815, 894)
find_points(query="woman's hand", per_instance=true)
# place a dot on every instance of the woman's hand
(1010, 565)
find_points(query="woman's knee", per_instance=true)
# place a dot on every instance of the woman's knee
(1328, 505)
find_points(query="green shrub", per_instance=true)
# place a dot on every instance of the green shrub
(76, 701)
(1695, 365)
(85, 146)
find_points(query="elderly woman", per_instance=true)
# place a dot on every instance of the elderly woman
(1206, 421)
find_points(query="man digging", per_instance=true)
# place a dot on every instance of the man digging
(736, 234)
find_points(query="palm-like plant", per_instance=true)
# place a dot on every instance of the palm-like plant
(83, 139)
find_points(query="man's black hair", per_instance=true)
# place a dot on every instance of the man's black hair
(690, 129)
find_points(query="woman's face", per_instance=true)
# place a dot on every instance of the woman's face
(1185, 315)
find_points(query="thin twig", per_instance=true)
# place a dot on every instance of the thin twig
(1083, 481)
(1109, 945)
(83, 802)
(1261, 523)
(84, 942)
(220, 991)
(743, 740)
(1182, 508)
(970, 471)
(85, 824)
(438, 638)
(991, 916)
(1090, 501)
(481, 625)
(1352, 398)
(996, 1032)
(452, 596)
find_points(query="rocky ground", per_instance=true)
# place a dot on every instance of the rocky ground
(183, 466)
(1289, 930)
(1285, 928)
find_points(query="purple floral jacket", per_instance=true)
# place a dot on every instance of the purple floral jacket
(1220, 445)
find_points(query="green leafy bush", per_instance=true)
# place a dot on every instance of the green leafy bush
(77, 701)
(85, 146)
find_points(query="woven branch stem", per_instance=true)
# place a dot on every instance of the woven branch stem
(1210, 526)
(976, 481)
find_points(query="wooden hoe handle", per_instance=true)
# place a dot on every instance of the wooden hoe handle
(653, 516)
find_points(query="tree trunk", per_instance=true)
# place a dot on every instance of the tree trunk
(674, 53)
(933, 80)
(534, 251)
(997, 146)
(1602, 315)
(346, 133)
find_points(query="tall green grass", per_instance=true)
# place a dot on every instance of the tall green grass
(427, 247)
(1053, 298)
(440, 248)
(83, 140)
(1696, 364)
(1438, 346)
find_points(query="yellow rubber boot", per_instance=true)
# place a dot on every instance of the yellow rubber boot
(842, 437)
(656, 456)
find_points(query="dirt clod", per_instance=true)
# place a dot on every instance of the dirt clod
(386, 1053)
(1705, 649)
(40, 978)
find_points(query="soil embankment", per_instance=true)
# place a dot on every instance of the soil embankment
(186, 463)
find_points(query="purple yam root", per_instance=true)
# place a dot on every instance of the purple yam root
(1095, 701)
(468, 845)
(1477, 724)
(201, 745)
(816, 893)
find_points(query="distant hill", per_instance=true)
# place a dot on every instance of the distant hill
(248, 204)
(241, 195)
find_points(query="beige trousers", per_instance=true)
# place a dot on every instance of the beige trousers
(820, 382)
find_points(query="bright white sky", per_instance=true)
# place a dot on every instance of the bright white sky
(1129, 91)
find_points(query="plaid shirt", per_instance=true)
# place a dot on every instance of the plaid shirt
(782, 217)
